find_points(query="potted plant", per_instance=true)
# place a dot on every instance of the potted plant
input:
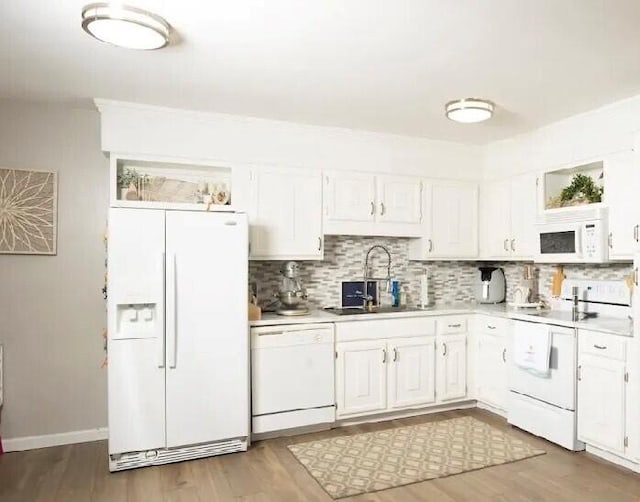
(131, 183)
(582, 190)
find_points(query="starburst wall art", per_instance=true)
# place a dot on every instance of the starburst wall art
(28, 207)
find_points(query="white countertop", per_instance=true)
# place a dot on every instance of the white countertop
(614, 325)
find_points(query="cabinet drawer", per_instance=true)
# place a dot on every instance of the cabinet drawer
(384, 328)
(451, 325)
(493, 325)
(602, 344)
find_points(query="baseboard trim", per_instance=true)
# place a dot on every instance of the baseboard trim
(47, 440)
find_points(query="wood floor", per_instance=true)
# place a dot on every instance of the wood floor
(269, 473)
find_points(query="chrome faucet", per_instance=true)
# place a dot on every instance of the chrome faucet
(366, 297)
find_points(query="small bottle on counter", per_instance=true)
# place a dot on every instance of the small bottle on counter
(395, 293)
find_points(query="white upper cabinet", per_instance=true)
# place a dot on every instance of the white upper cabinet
(622, 188)
(450, 225)
(349, 197)
(495, 216)
(371, 204)
(399, 199)
(508, 210)
(523, 216)
(285, 214)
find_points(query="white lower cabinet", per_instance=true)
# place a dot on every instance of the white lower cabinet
(391, 365)
(412, 372)
(452, 367)
(602, 389)
(361, 378)
(491, 372)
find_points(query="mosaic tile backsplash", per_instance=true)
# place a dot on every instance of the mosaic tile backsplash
(449, 282)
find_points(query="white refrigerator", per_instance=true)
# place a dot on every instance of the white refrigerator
(178, 384)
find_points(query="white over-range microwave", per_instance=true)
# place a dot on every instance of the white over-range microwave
(573, 236)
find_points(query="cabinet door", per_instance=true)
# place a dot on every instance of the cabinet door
(452, 367)
(286, 221)
(495, 215)
(621, 193)
(399, 199)
(601, 402)
(523, 216)
(412, 372)
(454, 220)
(350, 197)
(361, 377)
(491, 370)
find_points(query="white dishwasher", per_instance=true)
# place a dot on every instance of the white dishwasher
(292, 376)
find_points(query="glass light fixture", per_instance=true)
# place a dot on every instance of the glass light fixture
(125, 26)
(469, 110)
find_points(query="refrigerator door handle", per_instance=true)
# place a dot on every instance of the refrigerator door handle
(171, 318)
(161, 337)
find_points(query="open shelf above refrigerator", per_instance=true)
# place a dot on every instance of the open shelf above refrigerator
(145, 183)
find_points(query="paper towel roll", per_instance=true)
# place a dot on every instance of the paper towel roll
(424, 289)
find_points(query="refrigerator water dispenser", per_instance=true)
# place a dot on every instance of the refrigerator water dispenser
(136, 320)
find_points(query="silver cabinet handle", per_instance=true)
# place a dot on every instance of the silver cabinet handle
(490, 327)
(610, 240)
(506, 245)
(373, 208)
(430, 245)
(395, 354)
(384, 356)
(455, 325)
(382, 209)
(504, 355)
(579, 372)
(601, 347)
(635, 276)
(319, 243)
(444, 349)
(636, 233)
(513, 244)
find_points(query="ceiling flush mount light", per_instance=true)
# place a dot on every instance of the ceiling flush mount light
(469, 110)
(125, 26)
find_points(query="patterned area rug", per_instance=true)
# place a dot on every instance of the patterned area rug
(362, 463)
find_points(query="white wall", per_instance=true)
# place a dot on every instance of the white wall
(51, 307)
(574, 140)
(132, 128)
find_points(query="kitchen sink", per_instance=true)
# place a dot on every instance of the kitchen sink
(375, 310)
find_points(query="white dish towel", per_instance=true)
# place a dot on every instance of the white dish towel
(532, 347)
